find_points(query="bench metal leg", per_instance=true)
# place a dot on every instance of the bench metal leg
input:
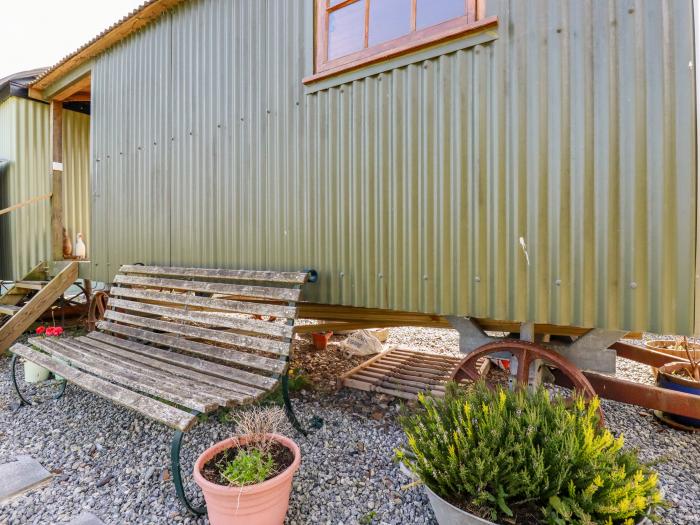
(22, 399)
(177, 475)
(288, 407)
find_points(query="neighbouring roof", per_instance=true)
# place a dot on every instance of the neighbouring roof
(129, 24)
(17, 84)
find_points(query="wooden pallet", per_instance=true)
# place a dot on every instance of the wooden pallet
(404, 373)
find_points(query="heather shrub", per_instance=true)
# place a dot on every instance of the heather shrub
(526, 455)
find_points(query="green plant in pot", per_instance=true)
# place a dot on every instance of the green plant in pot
(524, 457)
(247, 479)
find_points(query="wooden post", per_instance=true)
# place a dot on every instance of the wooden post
(57, 180)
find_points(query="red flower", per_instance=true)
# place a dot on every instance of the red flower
(58, 330)
(40, 330)
(49, 331)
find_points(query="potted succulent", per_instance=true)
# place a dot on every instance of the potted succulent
(247, 479)
(34, 373)
(495, 456)
(682, 376)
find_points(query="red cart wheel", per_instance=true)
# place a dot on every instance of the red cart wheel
(526, 353)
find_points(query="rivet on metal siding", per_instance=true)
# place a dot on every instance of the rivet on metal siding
(633, 285)
(381, 276)
(342, 274)
(268, 111)
(477, 279)
(155, 143)
(190, 132)
(558, 282)
(425, 277)
(218, 126)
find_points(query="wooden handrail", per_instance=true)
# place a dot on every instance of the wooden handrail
(25, 203)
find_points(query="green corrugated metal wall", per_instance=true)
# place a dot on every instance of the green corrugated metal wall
(24, 140)
(411, 189)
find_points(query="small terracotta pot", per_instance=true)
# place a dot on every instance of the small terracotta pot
(667, 379)
(321, 339)
(263, 504)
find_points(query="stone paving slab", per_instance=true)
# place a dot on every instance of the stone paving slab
(21, 475)
(86, 518)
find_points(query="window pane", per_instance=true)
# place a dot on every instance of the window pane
(432, 12)
(346, 30)
(388, 19)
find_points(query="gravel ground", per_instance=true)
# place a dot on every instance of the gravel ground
(114, 463)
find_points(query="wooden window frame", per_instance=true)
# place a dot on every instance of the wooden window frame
(474, 19)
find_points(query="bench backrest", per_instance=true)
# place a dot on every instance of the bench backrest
(235, 317)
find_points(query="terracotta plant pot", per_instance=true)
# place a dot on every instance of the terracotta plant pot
(668, 347)
(321, 339)
(263, 504)
(666, 378)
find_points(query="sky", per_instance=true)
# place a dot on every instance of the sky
(39, 33)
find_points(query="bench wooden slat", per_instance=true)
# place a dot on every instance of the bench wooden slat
(214, 319)
(240, 340)
(206, 351)
(161, 412)
(202, 365)
(121, 375)
(238, 275)
(242, 290)
(209, 303)
(168, 358)
(181, 383)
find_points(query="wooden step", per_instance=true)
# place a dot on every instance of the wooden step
(36, 306)
(7, 309)
(31, 285)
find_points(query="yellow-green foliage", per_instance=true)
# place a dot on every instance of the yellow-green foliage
(501, 450)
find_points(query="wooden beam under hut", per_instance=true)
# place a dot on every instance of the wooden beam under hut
(338, 317)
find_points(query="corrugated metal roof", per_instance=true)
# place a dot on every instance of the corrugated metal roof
(127, 25)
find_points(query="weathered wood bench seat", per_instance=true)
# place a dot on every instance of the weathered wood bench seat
(180, 341)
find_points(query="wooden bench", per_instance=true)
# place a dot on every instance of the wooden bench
(177, 342)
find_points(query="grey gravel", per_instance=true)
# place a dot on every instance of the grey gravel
(347, 473)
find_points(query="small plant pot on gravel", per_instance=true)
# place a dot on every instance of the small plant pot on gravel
(246, 485)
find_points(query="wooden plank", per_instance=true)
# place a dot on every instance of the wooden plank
(182, 383)
(240, 290)
(206, 351)
(208, 303)
(213, 319)
(36, 306)
(195, 363)
(123, 349)
(122, 375)
(237, 275)
(240, 340)
(22, 204)
(161, 412)
(377, 317)
(9, 309)
(57, 219)
(31, 285)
